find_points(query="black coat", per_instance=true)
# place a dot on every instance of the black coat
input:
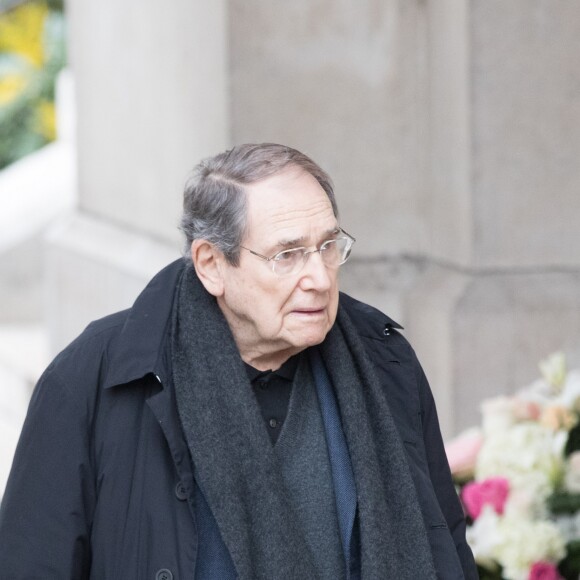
(102, 478)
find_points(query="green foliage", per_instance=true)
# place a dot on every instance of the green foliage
(486, 574)
(563, 502)
(573, 443)
(569, 567)
(56, 5)
(24, 118)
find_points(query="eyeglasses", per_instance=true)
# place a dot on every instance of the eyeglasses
(334, 253)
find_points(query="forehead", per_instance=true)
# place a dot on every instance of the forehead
(288, 205)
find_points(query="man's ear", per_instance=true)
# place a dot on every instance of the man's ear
(208, 262)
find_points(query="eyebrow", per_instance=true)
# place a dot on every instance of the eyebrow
(300, 241)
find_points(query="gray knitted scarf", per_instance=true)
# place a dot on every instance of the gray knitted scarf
(236, 468)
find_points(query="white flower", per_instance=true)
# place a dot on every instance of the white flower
(566, 525)
(524, 441)
(523, 503)
(527, 454)
(523, 542)
(570, 394)
(539, 391)
(569, 526)
(553, 370)
(498, 414)
(544, 392)
(483, 536)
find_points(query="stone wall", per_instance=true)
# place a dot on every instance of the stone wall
(152, 100)
(451, 129)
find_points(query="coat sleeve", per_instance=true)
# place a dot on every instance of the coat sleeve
(46, 509)
(441, 478)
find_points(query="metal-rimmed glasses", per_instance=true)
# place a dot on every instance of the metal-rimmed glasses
(333, 252)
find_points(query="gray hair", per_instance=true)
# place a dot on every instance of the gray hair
(214, 200)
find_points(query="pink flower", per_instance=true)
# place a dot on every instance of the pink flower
(526, 410)
(462, 452)
(493, 491)
(544, 571)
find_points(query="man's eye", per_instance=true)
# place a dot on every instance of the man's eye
(287, 256)
(329, 245)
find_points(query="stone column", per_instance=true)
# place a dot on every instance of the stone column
(152, 100)
(452, 131)
(451, 128)
(347, 83)
(502, 288)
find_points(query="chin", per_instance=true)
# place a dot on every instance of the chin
(312, 339)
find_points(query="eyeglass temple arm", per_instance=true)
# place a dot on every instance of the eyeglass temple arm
(345, 232)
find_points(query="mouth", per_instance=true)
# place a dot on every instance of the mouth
(308, 312)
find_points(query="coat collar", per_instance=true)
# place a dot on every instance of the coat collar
(140, 347)
(369, 321)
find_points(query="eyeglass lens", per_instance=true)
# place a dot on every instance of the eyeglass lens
(333, 254)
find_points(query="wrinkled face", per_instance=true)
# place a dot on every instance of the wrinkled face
(274, 317)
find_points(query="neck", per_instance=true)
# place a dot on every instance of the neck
(268, 361)
(260, 354)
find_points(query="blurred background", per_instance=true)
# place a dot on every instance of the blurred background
(451, 129)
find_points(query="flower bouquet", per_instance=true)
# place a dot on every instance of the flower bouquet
(518, 477)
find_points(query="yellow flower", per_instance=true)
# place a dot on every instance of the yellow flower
(46, 120)
(556, 417)
(10, 87)
(22, 31)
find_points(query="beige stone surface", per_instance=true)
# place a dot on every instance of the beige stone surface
(95, 268)
(34, 193)
(347, 83)
(483, 334)
(384, 283)
(451, 128)
(449, 205)
(526, 131)
(152, 100)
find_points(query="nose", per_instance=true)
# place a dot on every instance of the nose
(315, 275)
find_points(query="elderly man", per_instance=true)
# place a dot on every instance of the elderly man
(243, 419)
